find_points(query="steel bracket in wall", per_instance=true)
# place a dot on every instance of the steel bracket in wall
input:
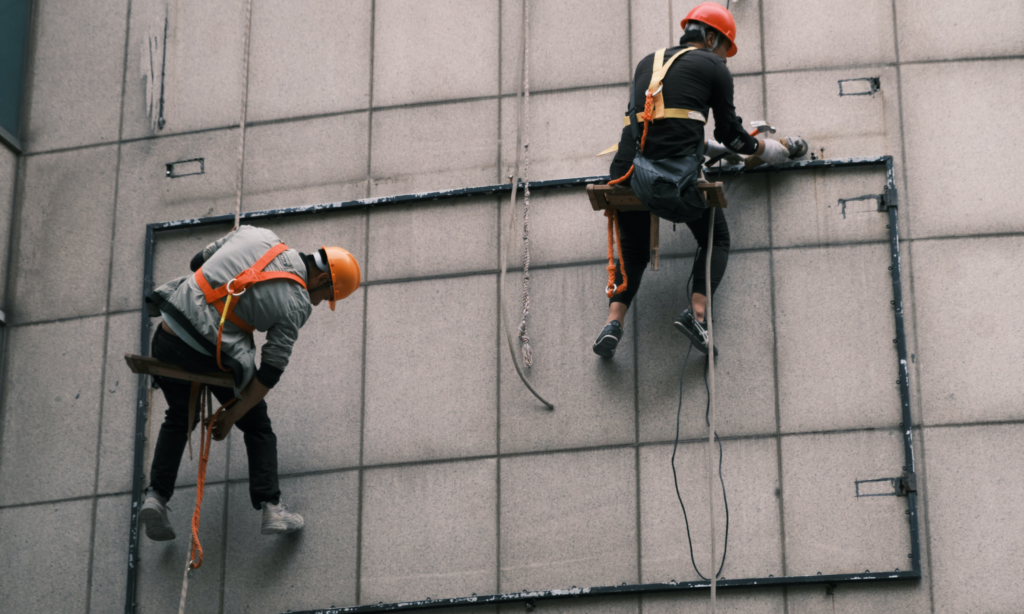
(879, 199)
(907, 484)
(184, 168)
(864, 86)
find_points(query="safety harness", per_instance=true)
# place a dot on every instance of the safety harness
(222, 297)
(654, 109)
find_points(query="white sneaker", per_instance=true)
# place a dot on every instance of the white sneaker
(153, 516)
(277, 519)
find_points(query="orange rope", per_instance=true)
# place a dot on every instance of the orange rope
(204, 457)
(613, 214)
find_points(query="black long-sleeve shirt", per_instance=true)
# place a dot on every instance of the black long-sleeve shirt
(700, 81)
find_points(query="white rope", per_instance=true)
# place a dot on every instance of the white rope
(184, 586)
(711, 412)
(242, 114)
(524, 338)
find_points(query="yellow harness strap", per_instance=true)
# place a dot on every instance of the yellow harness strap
(660, 69)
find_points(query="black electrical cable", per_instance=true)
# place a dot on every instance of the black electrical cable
(675, 446)
(707, 420)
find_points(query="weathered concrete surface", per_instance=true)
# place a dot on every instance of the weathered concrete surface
(593, 397)
(848, 32)
(301, 65)
(837, 361)
(419, 240)
(931, 31)
(434, 147)
(744, 601)
(73, 83)
(313, 568)
(8, 180)
(202, 76)
(161, 565)
(828, 528)
(588, 122)
(845, 126)
(430, 51)
(304, 162)
(573, 43)
(316, 408)
(656, 24)
(568, 519)
(973, 515)
(47, 552)
(147, 194)
(982, 195)
(120, 397)
(430, 370)
(745, 371)
(48, 412)
(969, 378)
(751, 477)
(110, 554)
(429, 531)
(63, 235)
(809, 210)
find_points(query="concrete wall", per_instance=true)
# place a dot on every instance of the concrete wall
(422, 466)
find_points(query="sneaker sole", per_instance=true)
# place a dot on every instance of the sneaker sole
(605, 346)
(279, 528)
(156, 530)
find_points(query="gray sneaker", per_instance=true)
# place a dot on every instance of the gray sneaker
(277, 519)
(153, 516)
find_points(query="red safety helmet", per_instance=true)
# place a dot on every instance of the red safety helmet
(716, 16)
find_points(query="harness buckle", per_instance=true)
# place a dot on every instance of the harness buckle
(235, 294)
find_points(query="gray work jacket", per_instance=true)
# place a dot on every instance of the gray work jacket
(277, 307)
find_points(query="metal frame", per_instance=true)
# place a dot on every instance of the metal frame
(907, 483)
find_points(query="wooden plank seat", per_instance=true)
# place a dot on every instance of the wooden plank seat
(623, 199)
(146, 365)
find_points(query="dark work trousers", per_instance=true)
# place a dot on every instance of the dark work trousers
(635, 230)
(260, 441)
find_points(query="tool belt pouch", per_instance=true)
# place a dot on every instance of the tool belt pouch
(669, 187)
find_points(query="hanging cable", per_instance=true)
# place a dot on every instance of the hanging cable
(675, 446)
(513, 213)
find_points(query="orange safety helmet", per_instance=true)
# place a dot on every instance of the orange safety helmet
(716, 16)
(345, 275)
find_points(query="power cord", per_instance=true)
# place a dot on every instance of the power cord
(675, 446)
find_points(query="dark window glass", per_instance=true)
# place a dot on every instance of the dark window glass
(14, 23)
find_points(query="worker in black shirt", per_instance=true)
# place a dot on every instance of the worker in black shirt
(696, 82)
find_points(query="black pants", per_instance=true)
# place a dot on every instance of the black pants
(635, 230)
(260, 441)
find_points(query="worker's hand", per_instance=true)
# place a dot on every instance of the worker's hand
(222, 426)
(774, 152)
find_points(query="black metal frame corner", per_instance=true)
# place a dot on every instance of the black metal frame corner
(906, 484)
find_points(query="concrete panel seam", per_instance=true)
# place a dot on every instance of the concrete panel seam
(366, 294)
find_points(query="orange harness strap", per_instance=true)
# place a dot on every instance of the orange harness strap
(613, 215)
(221, 298)
(205, 433)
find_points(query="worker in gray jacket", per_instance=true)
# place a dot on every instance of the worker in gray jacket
(246, 281)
